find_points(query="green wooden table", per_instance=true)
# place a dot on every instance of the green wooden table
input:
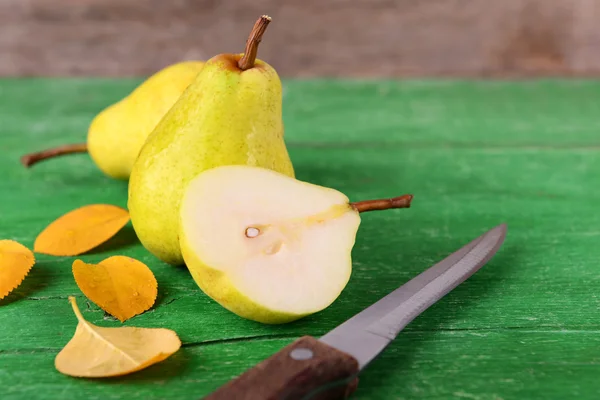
(474, 154)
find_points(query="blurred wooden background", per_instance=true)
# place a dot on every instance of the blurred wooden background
(352, 38)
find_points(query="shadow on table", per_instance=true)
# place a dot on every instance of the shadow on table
(124, 239)
(172, 367)
(39, 277)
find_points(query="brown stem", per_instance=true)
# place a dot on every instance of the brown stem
(383, 204)
(29, 159)
(247, 61)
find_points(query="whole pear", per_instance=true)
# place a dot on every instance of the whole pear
(230, 115)
(116, 134)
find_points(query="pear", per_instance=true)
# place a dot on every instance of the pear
(116, 135)
(268, 247)
(230, 115)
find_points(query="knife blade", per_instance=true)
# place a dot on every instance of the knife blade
(327, 368)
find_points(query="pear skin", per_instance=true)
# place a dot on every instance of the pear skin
(116, 135)
(227, 116)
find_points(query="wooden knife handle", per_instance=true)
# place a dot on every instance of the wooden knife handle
(305, 369)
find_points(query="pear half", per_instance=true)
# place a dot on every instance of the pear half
(266, 246)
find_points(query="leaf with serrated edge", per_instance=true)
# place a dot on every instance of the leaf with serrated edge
(81, 230)
(97, 352)
(16, 261)
(121, 286)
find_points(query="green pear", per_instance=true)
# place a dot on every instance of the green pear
(269, 247)
(230, 114)
(116, 135)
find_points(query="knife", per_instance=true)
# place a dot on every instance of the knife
(328, 367)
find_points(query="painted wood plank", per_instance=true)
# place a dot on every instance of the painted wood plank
(525, 326)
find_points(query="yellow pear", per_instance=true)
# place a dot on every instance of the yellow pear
(230, 114)
(116, 135)
(268, 247)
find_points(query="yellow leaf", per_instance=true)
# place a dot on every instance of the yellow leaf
(16, 261)
(81, 230)
(121, 286)
(96, 352)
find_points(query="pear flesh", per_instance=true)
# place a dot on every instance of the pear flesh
(267, 247)
(227, 116)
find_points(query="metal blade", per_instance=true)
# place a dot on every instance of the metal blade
(367, 333)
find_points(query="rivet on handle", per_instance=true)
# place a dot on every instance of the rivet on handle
(301, 353)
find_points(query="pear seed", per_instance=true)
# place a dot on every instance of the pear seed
(252, 232)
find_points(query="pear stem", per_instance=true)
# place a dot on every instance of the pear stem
(383, 204)
(247, 61)
(29, 159)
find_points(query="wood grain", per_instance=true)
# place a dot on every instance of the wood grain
(474, 154)
(365, 38)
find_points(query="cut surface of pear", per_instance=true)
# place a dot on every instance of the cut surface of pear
(266, 246)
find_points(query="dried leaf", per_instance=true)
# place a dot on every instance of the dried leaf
(81, 230)
(96, 352)
(16, 261)
(121, 286)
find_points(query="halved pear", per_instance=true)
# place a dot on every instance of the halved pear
(266, 246)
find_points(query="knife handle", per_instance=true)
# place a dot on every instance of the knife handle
(296, 371)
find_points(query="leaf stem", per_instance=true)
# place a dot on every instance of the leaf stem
(29, 159)
(383, 204)
(76, 309)
(247, 61)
